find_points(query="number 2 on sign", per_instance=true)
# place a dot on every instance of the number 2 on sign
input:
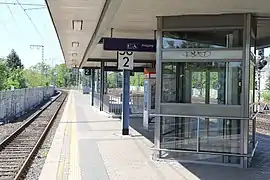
(125, 60)
(126, 63)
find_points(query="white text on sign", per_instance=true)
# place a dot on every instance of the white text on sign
(125, 60)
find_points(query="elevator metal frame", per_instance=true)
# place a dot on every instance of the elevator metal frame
(245, 111)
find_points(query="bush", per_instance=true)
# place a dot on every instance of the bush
(266, 96)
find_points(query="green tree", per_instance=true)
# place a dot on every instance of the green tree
(44, 75)
(14, 72)
(267, 83)
(62, 74)
(14, 61)
(266, 96)
(16, 79)
(3, 74)
(33, 77)
(111, 80)
(137, 79)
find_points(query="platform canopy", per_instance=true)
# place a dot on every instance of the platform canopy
(80, 24)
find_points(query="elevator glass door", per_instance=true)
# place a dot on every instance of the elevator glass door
(211, 83)
(207, 87)
(202, 82)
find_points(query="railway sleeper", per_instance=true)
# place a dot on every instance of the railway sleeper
(12, 157)
(11, 161)
(21, 144)
(16, 148)
(18, 151)
(10, 165)
(7, 170)
(8, 174)
(7, 177)
(27, 139)
(14, 154)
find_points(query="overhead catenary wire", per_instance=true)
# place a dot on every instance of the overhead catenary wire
(25, 4)
(12, 15)
(5, 27)
(29, 19)
(35, 8)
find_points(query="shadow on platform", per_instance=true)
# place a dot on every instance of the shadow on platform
(260, 168)
(137, 124)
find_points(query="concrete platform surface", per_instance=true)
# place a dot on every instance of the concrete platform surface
(89, 146)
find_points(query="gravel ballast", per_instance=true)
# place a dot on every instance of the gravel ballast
(38, 162)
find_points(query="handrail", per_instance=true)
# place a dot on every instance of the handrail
(202, 152)
(253, 151)
(192, 116)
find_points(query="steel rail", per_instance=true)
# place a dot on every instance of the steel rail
(40, 141)
(27, 162)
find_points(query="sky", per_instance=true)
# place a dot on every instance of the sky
(18, 33)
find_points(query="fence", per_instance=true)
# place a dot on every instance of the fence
(15, 103)
(113, 103)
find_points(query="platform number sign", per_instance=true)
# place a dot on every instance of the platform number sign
(125, 60)
(87, 71)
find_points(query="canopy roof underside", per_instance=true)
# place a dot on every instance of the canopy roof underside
(135, 19)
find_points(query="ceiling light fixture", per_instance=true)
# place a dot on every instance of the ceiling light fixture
(74, 54)
(75, 44)
(77, 25)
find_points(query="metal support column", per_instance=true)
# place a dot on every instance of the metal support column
(245, 89)
(125, 103)
(101, 85)
(93, 87)
(105, 82)
(157, 137)
(98, 81)
(261, 54)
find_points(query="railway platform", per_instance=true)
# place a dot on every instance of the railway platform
(89, 145)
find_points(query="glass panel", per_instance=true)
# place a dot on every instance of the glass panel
(202, 82)
(168, 93)
(97, 83)
(215, 135)
(168, 133)
(153, 94)
(220, 135)
(217, 91)
(252, 49)
(207, 84)
(202, 39)
(187, 134)
(252, 134)
(198, 87)
(179, 133)
(251, 88)
(233, 83)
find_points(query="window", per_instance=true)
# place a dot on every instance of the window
(168, 82)
(202, 39)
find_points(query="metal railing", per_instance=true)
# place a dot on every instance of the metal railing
(203, 135)
(14, 103)
(114, 104)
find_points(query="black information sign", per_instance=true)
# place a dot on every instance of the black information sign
(87, 71)
(123, 44)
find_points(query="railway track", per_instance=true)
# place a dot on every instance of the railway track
(19, 149)
(263, 124)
